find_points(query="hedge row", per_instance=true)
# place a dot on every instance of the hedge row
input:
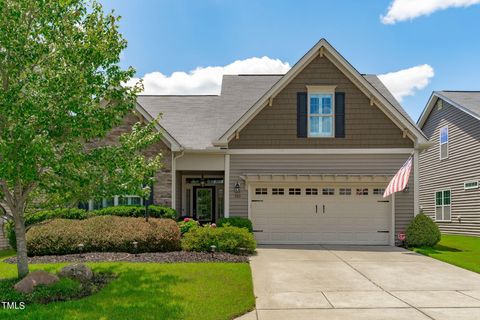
(103, 234)
(154, 211)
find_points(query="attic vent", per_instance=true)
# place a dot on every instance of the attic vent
(439, 104)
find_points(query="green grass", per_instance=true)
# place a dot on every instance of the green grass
(462, 251)
(151, 291)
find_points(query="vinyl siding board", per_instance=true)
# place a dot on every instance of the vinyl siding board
(319, 164)
(463, 164)
(276, 126)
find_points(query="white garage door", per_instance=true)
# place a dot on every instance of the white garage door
(346, 214)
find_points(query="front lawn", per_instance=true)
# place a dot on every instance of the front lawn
(462, 251)
(151, 291)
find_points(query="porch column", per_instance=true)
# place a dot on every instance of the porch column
(416, 187)
(174, 182)
(226, 187)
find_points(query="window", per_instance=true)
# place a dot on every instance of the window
(470, 185)
(129, 201)
(311, 191)
(320, 114)
(328, 191)
(261, 191)
(362, 192)
(345, 191)
(294, 191)
(442, 205)
(443, 143)
(379, 191)
(278, 191)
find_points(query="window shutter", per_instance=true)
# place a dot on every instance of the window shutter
(302, 115)
(339, 114)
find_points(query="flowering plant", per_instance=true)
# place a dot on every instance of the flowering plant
(187, 224)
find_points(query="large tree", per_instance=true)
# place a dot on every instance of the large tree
(61, 92)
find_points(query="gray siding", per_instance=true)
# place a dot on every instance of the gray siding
(463, 164)
(319, 164)
(276, 126)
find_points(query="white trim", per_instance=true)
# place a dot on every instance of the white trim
(249, 199)
(399, 119)
(416, 182)
(226, 188)
(393, 235)
(440, 142)
(432, 102)
(322, 151)
(166, 137)
(470, 188)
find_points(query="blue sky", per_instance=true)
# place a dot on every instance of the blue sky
(176, 35)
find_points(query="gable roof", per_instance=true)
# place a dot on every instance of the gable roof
(196, 120)
(404, 122)
(467, 101)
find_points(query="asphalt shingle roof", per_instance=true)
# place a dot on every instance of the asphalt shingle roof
(197, 120)
(469, 100)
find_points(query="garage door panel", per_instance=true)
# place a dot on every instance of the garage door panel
(329, 219)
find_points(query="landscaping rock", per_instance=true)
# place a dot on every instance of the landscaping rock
(33, 279)
(77, 271)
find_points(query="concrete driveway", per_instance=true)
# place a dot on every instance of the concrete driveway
(359, 282)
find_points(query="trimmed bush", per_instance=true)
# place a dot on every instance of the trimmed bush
(236, 222)
(422, 232)
(103, 234)
(226, 239)
(154, 211)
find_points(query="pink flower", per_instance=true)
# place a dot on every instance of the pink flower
(213, 225)
(186, 219)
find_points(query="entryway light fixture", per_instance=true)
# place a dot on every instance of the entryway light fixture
(236, 189)
(202, 181)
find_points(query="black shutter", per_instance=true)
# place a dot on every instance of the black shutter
(339, 114)
(302, 115)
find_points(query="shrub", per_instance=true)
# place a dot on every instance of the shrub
(422, 232)
(236, 222)
(103, 233)
(226, 239)
(154, 211)
(187, 224)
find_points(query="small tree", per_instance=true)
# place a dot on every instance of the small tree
(61, 93)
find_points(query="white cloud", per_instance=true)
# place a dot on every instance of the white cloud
(401, 10)
(207, 80)
(407, 81)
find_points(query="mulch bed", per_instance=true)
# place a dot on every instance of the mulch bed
(162, 257)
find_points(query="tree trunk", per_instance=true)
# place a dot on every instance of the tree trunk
(22, 259)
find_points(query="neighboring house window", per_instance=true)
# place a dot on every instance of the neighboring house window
(345, 191)
(362, 192)
(328, 191)
(321, 115)
(443, 143)
(129, 201)
(311, 191)
(470, 185)
(442, 205)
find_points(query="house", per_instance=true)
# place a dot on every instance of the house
(450, 169)
(306, 155)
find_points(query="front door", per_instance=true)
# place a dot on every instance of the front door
(204, 204)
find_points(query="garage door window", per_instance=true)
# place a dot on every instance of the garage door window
(261, 191)
(345, 191)
(443, 205)
(378, 191)
(328, 191)
(311, 191)
(362, 192)
(278, 191)
(294, 191)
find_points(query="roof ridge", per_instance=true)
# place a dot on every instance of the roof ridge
(475, 91)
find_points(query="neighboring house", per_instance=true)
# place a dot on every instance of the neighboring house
(450, 169)
(3, 240)
(305, 155)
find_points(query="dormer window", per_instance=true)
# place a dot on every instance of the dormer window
(321, 111)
